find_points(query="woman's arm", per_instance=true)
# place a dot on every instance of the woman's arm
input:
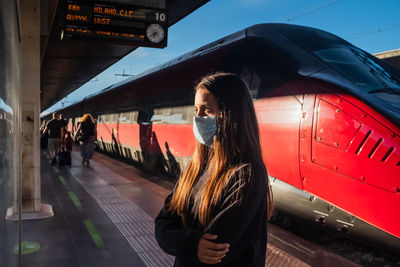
(234, 217)
(77, 131)
(46, 129)
(42, 127)
(174, 237)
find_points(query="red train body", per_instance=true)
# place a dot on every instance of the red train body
(331, 146)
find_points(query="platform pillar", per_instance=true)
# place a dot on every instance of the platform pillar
(28, 181)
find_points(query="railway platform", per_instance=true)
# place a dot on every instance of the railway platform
(104, 216)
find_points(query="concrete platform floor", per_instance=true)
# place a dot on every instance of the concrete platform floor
(104, 217)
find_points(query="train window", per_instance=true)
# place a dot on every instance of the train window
(121, 118)
(176, 118)
(190, 113)
(344, 62)
(133, 116)
(186, 112)
(265, 70)
(264, 80)
(363, 71)
(253, 81)
(144, 116)
(161, 115)
(182, 114)
(124, 117)
(107, 118)
(387, 79)
(158, 116)
(114, 118)
(176, 115)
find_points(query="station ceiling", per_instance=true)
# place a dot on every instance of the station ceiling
(68, 64)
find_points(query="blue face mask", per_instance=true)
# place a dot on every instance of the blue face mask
(204, 129)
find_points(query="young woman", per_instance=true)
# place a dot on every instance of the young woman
(87, 135)
(217, 213)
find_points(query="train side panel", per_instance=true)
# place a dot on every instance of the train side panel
(279, 122)
(154, 145)
(351, 159)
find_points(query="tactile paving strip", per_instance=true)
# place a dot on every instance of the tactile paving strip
(279, 258)
(133, 222)
(138, 228)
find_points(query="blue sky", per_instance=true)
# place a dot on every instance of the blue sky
(373, 25)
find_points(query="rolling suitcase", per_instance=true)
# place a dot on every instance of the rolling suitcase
(68, 141)
(64, 157)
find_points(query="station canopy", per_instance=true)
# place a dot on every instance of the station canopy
(69, 63)
(392, 57)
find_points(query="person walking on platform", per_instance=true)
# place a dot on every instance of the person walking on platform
(63, 121)
(86, 135)
(55, 132)
(5, 139)
(44, 137)
(218, 211)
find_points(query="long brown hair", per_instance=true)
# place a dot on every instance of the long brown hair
(88, 117)
(236, 143)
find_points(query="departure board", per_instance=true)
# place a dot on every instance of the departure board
(122, 23)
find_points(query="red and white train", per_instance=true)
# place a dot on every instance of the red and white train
(328, 112)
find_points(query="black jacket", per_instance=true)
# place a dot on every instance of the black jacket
(242, 224)
(54, 128)
(88, 128)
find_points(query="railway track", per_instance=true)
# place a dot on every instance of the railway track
(339, 243)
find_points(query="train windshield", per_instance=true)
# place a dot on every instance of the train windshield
(361, 69)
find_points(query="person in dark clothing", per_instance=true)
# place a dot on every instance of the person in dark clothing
(44, 137)
(217, 213)
(5, 126)
(87, 132)
(55, 131)
(5, 138)
(63, 122)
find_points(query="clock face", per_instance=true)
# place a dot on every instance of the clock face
(155, 33)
